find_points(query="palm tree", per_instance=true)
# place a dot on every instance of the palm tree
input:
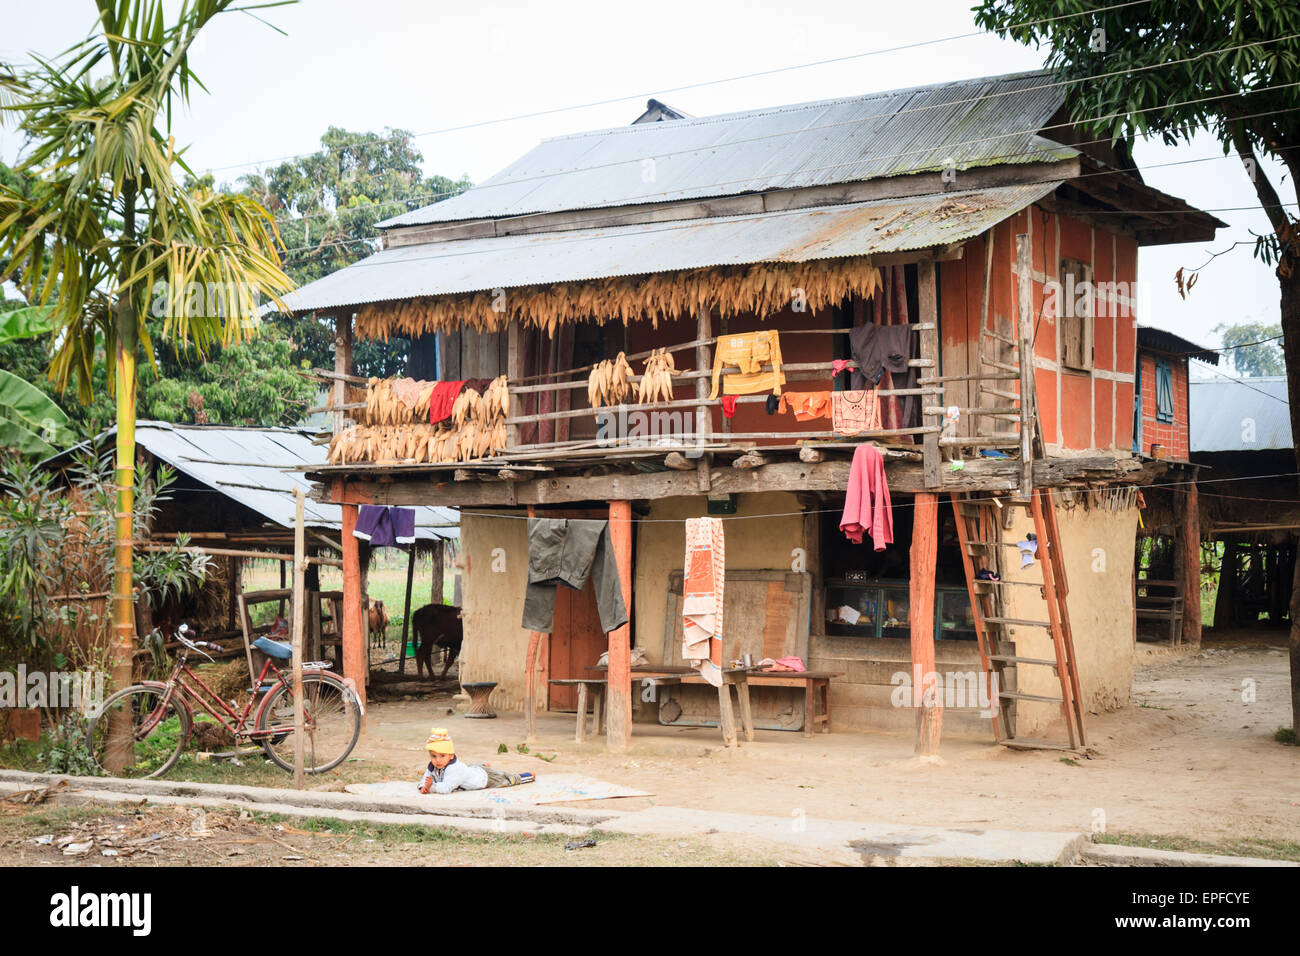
(110, 233)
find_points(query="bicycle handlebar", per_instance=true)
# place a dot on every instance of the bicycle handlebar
(196, 645)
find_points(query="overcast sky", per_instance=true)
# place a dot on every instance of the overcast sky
(370, 64)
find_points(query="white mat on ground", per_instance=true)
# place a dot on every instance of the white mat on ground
(548, 788)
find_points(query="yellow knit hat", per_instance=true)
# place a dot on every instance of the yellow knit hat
(439, 742)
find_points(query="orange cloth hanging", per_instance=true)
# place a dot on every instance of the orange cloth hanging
(807, 405)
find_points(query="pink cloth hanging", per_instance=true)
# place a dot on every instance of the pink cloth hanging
(702, 597)
(866, 506)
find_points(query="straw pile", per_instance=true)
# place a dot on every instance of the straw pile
(762, 288)
(391, 430)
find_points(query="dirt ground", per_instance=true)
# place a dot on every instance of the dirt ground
(1191, 757)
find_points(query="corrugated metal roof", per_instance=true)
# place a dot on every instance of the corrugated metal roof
(1150, 337)
(498, 262)
(1249, 414)
(981, 122)
(251, 466)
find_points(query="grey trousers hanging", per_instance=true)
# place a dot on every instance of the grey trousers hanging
(568, 551)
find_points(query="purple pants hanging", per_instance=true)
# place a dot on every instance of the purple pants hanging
(384, 526)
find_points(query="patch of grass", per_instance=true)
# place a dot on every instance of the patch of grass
(402, 833)
(1258, 847)
(49, 820)
(1285, 735)
(1071, 761)
(22, 755)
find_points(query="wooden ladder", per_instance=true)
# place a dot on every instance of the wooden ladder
(979, 533)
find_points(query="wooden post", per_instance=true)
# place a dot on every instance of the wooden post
(925, 546)
(618, 729)
(1025, 338)
(436, 588)
(299, 627)
(1191, 533)
(514, 372)
(342, 363)
(354, 628)
(406, 613)
(928, 302)
(703, 413)
(530, 686)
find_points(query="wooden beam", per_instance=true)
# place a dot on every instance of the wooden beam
(924, 551)
(354, 630)
(1191, 545)
(618, 727)
(342, 364)
(299, 631)
(703, 415)
(928, 297)
(1025, 337)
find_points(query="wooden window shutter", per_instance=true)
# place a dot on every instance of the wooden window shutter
(1164, 391)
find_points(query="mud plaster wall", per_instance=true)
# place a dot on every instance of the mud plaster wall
(757, 544)
(493, 589)
(1098, 548)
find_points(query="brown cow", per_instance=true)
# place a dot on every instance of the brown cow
(436, 625)
(378, 623)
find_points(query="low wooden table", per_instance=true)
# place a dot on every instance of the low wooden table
(587, 686)
(479, 692)
(726, 715)
(817, 685)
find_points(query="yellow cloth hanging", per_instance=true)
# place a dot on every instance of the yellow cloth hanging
(748, 352)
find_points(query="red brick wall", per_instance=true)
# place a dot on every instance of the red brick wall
(1173, 435)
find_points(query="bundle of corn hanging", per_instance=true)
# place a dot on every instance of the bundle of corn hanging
(496, 401)
(465, 408)
(609, 382)
(657, 380)
(763, 289)
(395, 401)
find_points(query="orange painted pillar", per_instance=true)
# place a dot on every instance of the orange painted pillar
(925, 547)
(354, 639)
(618, 727)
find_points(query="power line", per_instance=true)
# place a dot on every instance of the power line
(700, 85)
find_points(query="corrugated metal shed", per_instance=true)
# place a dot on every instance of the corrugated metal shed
(497, 262)
(1239, 414)
(983, 122)
(251, 466)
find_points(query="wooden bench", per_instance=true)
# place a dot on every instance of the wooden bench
(737, 679)
(588, 687)
(1163, 607)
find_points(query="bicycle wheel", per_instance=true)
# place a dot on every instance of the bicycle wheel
(134, 735)
(331, 723)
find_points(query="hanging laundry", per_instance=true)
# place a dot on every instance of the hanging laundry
(885, 348)
(772, 404)
(407, 390)
(704, 576)
(383, 527)
(728, 406)
(807, 405)
(568, 551)
(443, 397)
(1028, 549)
(866, 505)
(853, 413)
(748, 352)
(839, 366)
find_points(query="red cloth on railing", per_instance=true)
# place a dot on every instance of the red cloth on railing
(443, 397)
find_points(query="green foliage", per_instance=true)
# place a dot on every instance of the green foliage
(24, 322)
(327, 204)
(252, 383)
(1252, 351)
(30, 423)
(1168, 68)
(63, 750)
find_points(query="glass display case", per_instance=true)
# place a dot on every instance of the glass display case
(868, 608)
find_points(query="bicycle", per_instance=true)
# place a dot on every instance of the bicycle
(161, 716)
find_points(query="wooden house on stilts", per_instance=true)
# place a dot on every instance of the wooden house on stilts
(774, 250)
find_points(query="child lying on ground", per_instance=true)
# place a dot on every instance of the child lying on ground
(445, 773)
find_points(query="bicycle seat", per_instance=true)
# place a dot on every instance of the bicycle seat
(280, 650)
